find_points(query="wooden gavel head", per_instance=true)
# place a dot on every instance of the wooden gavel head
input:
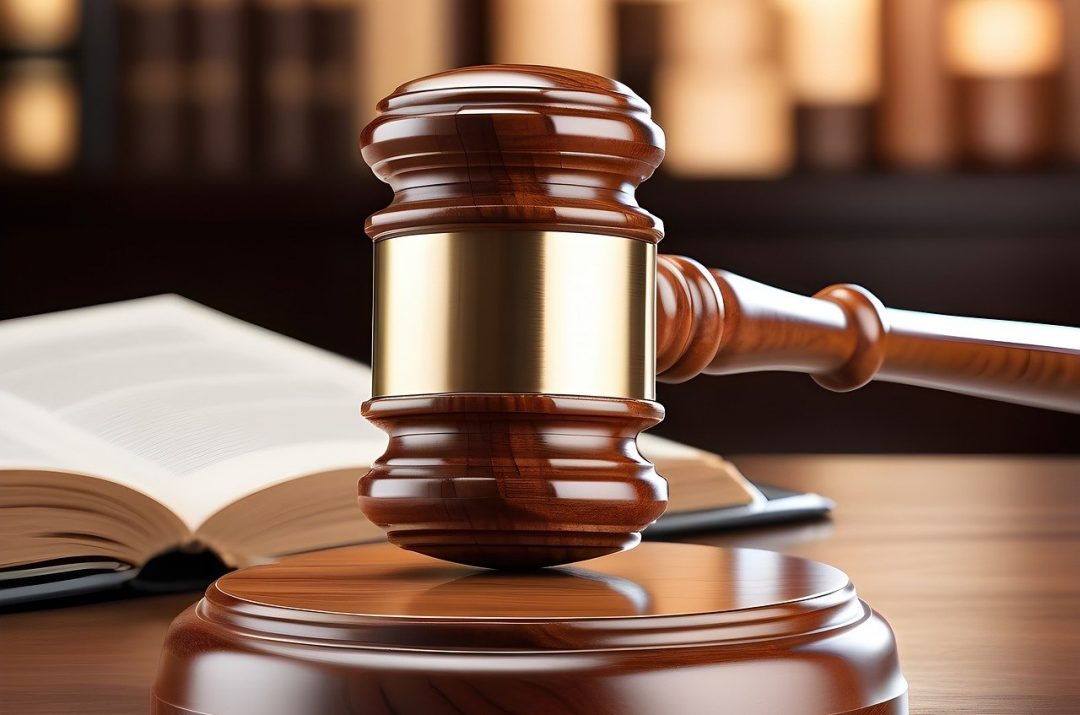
(513, 355)
(522, 318)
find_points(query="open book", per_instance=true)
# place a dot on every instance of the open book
(139, 429)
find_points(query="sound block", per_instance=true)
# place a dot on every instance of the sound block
(663, 628)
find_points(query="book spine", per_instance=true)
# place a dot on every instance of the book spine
(1071, 82)
(215, 86)
(98, 86)
(152, 79)
(39, 110)
(916, 117)
(577, 34)
(639, 47)
(333, 59)
(833, 66)
(1005, 57)
(720, 90)
(39, 105)
(283, 86)
(471, 29)
(34, 26)
(400, 41)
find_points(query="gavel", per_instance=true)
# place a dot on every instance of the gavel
(522, 317)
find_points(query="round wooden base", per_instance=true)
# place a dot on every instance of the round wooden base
(664, 628)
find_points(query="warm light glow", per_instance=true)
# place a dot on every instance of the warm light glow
(1003, 37)
(1071, 82)
(725, 125)
(38, 24)
(831, 50)
(39, 118)
(401, 41)
(577, 34)
(721, 94)
(718, 31)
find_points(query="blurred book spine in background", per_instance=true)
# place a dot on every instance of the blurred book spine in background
(215, 81)
(333, 56)
(99, 62)
(833, 63)
(916, 126)
(152, 86)
(283, 86)
(38, 25)
(400, 41)
(720, 92)
(1071, 83)
(637, 42)
(1006, 56)
(39, 104)
(38, 116)
(246, 89)
(577, 34)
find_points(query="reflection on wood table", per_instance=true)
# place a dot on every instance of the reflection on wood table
(975, 561)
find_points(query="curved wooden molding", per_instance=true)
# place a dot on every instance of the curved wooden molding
(664, 628)
(715, 322)
(502, 480)
(514, 146)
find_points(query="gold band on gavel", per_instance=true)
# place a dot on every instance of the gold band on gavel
(514, 312)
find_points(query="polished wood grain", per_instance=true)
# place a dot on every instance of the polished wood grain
(974, 560)
(531, 148)
(661, 628)
(528, 147)
(513, 146)
(714, 322)
(512, 480)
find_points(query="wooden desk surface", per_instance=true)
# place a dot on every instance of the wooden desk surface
(974, 561)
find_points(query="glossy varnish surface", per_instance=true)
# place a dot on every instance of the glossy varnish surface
(713, 322)
(512, 480)
(973, 560)
(513, 146)
(496, 480)
(656, 580)
(665, 627)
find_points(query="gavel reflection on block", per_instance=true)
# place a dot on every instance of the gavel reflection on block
(522, 317)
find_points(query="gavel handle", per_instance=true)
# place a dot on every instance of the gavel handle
(713, 322)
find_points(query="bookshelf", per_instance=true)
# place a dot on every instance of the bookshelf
(210, 214)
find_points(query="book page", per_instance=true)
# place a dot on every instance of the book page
(658, 449)
(193, 407)
(31, 438)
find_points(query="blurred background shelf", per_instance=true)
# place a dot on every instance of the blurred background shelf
(209, 148)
